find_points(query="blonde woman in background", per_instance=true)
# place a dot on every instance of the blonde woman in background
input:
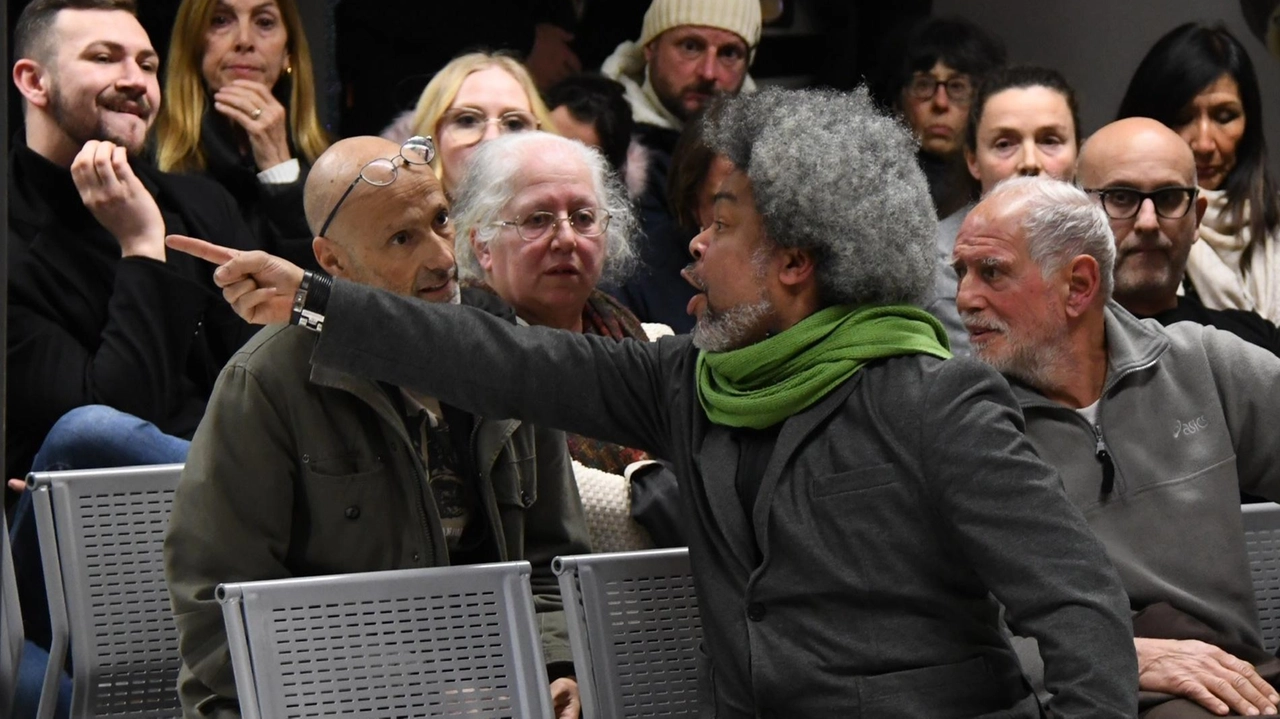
(474, 98)
(240, 107)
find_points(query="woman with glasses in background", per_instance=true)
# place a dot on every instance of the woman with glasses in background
(540, 221)
(1198, 80)
(240, 107)
(930, 80)
(474, 98)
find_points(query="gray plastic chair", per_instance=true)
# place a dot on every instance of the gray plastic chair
(10, 624)
(440, 642)
(102, 550)
(634, 629)
(1262, 541)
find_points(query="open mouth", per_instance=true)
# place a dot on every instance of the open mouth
(692, 278)
(563, 271)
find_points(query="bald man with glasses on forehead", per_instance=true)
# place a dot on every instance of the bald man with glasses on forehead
(299, 471)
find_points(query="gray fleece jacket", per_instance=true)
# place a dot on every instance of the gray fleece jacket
(1188, 417)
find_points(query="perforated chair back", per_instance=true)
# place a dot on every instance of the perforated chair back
(102, 549)
(1262, 541)
(441, 642)
(10, 624)
(634, 629)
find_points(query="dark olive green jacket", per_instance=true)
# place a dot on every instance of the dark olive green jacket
(297, 471)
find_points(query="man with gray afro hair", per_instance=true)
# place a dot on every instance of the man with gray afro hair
(857, 504)
(838, 178)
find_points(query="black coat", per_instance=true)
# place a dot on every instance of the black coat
(890, 513)
(656, 292)
(89, 327)
(273, 212)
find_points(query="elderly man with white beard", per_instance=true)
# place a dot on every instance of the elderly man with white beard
(1155, 430)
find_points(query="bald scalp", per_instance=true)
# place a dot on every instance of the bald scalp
(1151, 137)
(334, 171)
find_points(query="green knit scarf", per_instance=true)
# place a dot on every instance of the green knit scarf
(762, 384)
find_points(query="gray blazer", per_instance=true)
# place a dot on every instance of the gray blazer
(890, 513)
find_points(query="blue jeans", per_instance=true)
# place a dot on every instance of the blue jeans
(90, 437)
(30, 681)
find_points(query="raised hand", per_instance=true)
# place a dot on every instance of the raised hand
(258, 286)
(251, 105)
(1204, 674)
(118, 200)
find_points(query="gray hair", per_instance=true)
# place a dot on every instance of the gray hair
(1060, 221)
(492, 181)
(834, 175)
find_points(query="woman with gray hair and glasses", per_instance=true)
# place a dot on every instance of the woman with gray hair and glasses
(541, 221)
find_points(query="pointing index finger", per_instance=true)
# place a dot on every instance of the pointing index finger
(217, 254)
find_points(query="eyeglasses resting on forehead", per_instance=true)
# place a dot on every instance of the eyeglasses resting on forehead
(467, 126)
(923, 87)
(417, 150)
(1123, 203)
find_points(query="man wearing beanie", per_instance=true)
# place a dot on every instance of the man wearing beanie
(689, 52)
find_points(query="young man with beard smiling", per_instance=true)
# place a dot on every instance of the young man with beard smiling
(107, 331)
(100, 313)
(853, 498)
(1154, 430)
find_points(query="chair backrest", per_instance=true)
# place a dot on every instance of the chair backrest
(634, 628)
(102, 548)
(440, 642)
(1262, 542)
(10, 624)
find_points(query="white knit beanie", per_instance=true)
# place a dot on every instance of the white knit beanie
(741, 17)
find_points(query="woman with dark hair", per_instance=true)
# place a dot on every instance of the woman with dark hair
(929, 79)
(1199, 81)
(593, 110)
(240, 107)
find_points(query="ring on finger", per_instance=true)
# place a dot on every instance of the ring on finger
(257, 112)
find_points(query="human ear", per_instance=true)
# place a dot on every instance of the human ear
(331, 256)
(795, 267)
(1084, 281)
(1202, 204)
(29, 77)
(971, 161)
(481, 251)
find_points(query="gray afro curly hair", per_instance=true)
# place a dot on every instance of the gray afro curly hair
(836, 176)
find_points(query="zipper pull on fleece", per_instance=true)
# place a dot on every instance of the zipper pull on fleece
(1108, 467)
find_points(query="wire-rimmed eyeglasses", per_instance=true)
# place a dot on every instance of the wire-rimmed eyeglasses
(467, 126)
(1123, 203)
(417, 150)
(585, 221)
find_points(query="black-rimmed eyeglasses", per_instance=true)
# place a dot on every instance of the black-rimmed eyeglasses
(417, 150)
(1123, 203)
(959, 88)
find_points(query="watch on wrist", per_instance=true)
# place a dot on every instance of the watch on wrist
(311, 300)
